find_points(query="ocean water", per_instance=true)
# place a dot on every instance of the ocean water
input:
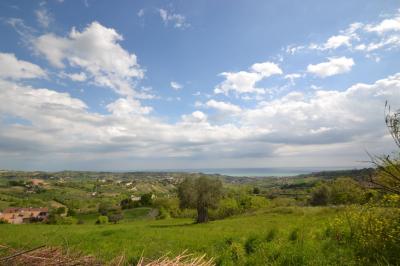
(259, 172)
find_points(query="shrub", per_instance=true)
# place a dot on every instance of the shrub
(237, 253)
(227, 207)
(294, 235)
(252, 244)
(320, 195)
(102, 219)
(162, 214)
(271, 234)
(60, 210)
(374, 233)
(67, 220)
(146, 199)
(345, 191)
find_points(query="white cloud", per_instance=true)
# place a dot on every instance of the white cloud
(140, 13)
(223, 106)
(81, 76)
(43, 17)
(178, 20)
(11, 67)
(358, 35)
(127, 107)
(289, 128)
(175, 85)
(245, 81)
(97, 51)
(337, 41)
(392, 24)
(195, 117)
(292, 77)
(334, 66)
(266, 69)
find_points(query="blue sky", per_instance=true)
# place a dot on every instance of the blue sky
(130, 85)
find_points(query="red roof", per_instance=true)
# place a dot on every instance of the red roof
(16, 210)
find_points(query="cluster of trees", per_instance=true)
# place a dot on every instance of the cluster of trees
(110, 213)
(340, 191)
(146, 200)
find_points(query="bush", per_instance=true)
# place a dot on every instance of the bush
(346, 191)
(271, 234)
(227, 207)
(146, 199)
(60, 210)
(294, 235)
(102, 220)
(162, 214)
(374, 233)
(320, 195)
(252, 244)
(71, 212)
(67, 220)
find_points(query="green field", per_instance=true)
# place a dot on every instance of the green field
(297, 237)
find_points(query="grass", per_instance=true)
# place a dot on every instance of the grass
(224, 240)
(129, 215)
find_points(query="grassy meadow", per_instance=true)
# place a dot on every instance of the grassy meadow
(275, 236)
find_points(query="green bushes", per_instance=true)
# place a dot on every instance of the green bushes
(102, 220)
(372, 232)
(338, 192)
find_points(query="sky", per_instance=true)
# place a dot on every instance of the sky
(132, 85)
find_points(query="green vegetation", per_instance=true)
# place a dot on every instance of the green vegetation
(305, 220)
(202, 193)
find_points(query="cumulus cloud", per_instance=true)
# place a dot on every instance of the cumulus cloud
(96, 50)
(365, 37)
(335, 42)
(178, 20)
(386, 25)
(245, 81)
(334, 66)
(195, 117)
(126, 107)
(11, 67)
(60, 125)
(266, 69)
(223, 106)
(175, 85)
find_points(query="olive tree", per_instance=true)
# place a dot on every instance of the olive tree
(200, 193)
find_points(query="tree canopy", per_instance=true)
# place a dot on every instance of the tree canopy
(200, 193)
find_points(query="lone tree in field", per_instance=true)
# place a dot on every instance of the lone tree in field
(201, 193)
(387, 177)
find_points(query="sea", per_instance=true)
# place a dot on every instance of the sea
(259, 172)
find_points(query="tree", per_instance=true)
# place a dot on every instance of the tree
(115, 217)
(320, 195)
(387, 176)
(105, 208)
(201, 193)
(146, 199)
(256, 190)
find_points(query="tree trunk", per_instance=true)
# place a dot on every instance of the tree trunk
(202, 214)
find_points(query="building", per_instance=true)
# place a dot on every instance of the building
(24, 215)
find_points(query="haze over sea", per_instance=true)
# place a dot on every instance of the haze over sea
(258, 172)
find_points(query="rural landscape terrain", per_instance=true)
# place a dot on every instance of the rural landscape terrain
(322, 218)
(199, 133)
